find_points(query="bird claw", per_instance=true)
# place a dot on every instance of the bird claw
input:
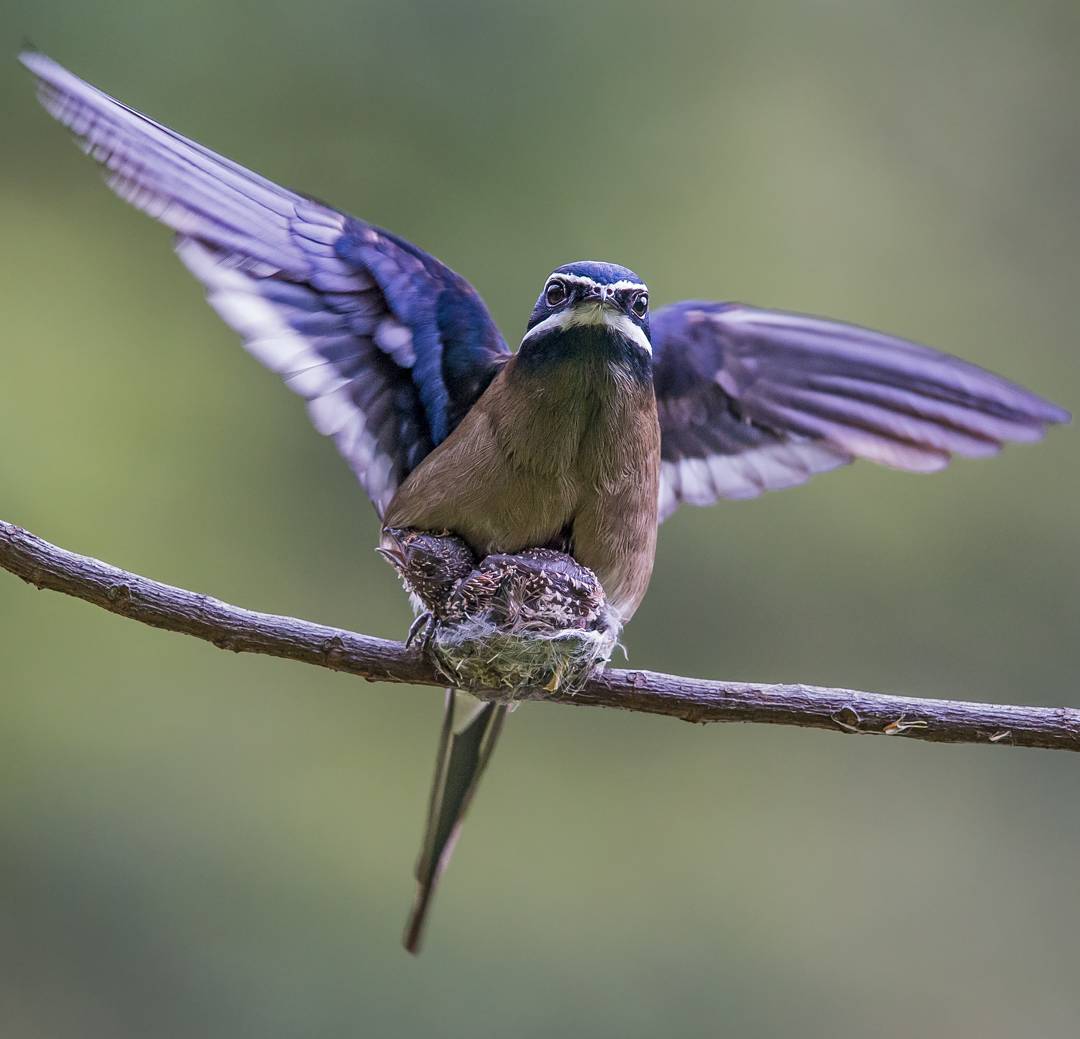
(422, 628)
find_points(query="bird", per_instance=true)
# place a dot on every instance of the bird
(431, 565)
(607, 416)
(537, 582)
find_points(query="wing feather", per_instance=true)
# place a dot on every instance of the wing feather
(753, 400)
(388, 346)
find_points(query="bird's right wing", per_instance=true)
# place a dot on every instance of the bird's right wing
(752, 400)
(388, 346)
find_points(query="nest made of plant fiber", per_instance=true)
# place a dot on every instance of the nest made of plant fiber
(535, 619)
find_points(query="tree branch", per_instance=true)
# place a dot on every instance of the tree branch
(379, 660)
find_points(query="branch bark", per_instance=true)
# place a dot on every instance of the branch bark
(379, 660)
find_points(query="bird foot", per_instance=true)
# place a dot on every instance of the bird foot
(421, 630)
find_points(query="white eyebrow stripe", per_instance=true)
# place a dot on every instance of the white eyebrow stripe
(581, 279)
(591, 315)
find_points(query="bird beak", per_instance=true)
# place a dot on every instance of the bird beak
(393, 556)
(602, 295)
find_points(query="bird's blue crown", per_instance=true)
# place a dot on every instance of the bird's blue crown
(600, 272)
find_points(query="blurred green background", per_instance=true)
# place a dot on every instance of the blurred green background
(198, 844)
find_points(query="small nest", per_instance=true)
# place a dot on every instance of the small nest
(537, 619)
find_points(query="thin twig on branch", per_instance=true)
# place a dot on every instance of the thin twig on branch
(379, 660)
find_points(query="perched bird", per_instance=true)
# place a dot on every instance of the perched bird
(537, 582)
(603, 421)
(431, 565)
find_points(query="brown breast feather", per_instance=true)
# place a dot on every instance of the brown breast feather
(575, 452)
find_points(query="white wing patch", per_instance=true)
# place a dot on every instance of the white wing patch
(703, 481)
(234, 294)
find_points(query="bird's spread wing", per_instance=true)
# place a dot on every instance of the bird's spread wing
(388, 346)
(753, 400)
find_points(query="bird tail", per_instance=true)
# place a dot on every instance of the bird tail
(466, 741)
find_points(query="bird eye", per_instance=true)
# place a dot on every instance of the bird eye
(555, 293)
(640, 306)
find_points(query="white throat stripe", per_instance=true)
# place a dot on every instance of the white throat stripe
(590, 314)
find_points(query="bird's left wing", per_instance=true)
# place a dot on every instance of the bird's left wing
(753, 400)
(389, 346)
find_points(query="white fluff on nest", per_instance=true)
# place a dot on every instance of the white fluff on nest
(477, 653)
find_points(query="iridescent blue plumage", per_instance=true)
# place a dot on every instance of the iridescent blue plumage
(388, 345)
(599, 271)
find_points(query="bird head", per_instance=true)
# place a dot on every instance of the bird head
(429, 564)
(589, 294)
